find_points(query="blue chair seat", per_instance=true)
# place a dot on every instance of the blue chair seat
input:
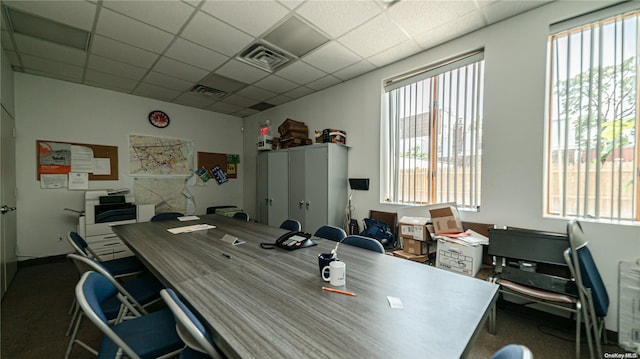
(146, 335)
(123, 265)
(189, 353)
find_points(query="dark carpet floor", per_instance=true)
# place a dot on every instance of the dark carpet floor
(34, 321)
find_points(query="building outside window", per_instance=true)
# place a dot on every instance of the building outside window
(592, 152)
(432, 134)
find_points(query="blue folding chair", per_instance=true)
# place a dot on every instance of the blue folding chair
(591, 289)
(119, 267)
(150, 336)
(291, 225)
(132, 299)
(166, 216)
(190, 329)
(513, 351)
(364, 242)
(331, 232)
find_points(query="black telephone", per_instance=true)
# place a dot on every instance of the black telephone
(290, 241)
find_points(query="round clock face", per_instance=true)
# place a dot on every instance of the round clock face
(159, 119)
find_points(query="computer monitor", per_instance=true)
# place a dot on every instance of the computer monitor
(359, 183)
(527, 245)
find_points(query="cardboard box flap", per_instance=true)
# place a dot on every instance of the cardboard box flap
(446, 220)
(414, 221)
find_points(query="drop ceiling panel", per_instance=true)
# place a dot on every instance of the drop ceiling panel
(167, 15)
(299, 92)
(337, 17)
(122, 52)
(110, 80)
(223, 107)
(179, 69)
(373, 37)
(279, 100)
(156, 78)
(104, 64)
(395, 53)
(188, 99)
(256, 93)
(323, 83)
(417, 17)
(275, 83)
(450, 30)
(242, 72)
(196, 55)
(78, 14)
(331, 57)
(354, 70)
(77, 77)
(300, 73)
(7, 44)
(49, 66)
(216, 35)
(157, 92)
(239, 100)
(253, 17)
(45, 49)
(132, 32)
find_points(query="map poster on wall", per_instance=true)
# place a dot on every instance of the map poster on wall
(166, 194)
(160, 156)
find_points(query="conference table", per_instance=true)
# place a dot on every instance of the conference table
(269, 303)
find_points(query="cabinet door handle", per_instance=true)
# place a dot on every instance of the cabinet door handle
(301, 203)
(266, 201)
(271, 201)
(308, 203)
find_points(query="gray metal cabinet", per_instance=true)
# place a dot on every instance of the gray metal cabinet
(273, 187)
(317, 185)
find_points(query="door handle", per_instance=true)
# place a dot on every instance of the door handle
(301, 203)
(308, 203)
(6, 209)
(271, 201)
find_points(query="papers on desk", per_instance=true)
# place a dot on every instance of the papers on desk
(395, 302)
(232, 240)
(469, 238)
(189, 229)
(188, 218)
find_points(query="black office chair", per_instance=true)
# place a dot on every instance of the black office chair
(166, 216)
(364, 242)
(330, 232)
(241, 216)
(291, 224)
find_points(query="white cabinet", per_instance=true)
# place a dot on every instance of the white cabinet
(316, 177)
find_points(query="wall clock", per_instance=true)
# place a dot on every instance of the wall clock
(159, 119)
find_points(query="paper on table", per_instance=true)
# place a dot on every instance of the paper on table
(188, 218)
(233, 240)
(188, 229)
(395, 302)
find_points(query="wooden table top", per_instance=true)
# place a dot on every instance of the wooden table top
(269, 303)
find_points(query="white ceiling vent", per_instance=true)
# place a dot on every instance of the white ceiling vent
(207, 91)
(264, 57)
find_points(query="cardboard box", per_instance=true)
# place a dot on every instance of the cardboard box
(415, 247)
(414, 257)
(446, 220)
(332, 136)
(414, 228)
(457, 258)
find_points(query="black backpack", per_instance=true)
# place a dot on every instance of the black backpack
(379, 230)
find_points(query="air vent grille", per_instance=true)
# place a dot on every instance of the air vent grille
(264, 57)
(207, 91)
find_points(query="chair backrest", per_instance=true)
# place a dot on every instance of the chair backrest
(92, 289)
(166, 216)
(364, 242)
(85, 264)
(513, 351)
(330, 232)
(189, 328)
(78, 243)
(587, 276)
(241, 216)
(291, 224)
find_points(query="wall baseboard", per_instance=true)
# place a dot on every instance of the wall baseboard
(43, 260)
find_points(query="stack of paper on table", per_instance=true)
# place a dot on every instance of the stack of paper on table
(188, 229)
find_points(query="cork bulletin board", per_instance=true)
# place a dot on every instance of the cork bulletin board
(52, 161)
(228, 164)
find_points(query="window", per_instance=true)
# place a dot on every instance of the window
(432, 134)
(592, 157)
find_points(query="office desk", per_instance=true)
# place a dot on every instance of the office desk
(269, 303)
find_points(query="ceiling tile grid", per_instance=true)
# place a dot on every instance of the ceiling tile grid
(188, 51)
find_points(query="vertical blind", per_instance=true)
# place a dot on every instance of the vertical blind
(435, 133)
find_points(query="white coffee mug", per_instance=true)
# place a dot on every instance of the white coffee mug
(337, 273)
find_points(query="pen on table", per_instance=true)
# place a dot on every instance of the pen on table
(226, 255)
(338, 291)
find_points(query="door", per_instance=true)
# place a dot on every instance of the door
(273, 187)
(8, 237)
(297, 187)
(316, 187)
